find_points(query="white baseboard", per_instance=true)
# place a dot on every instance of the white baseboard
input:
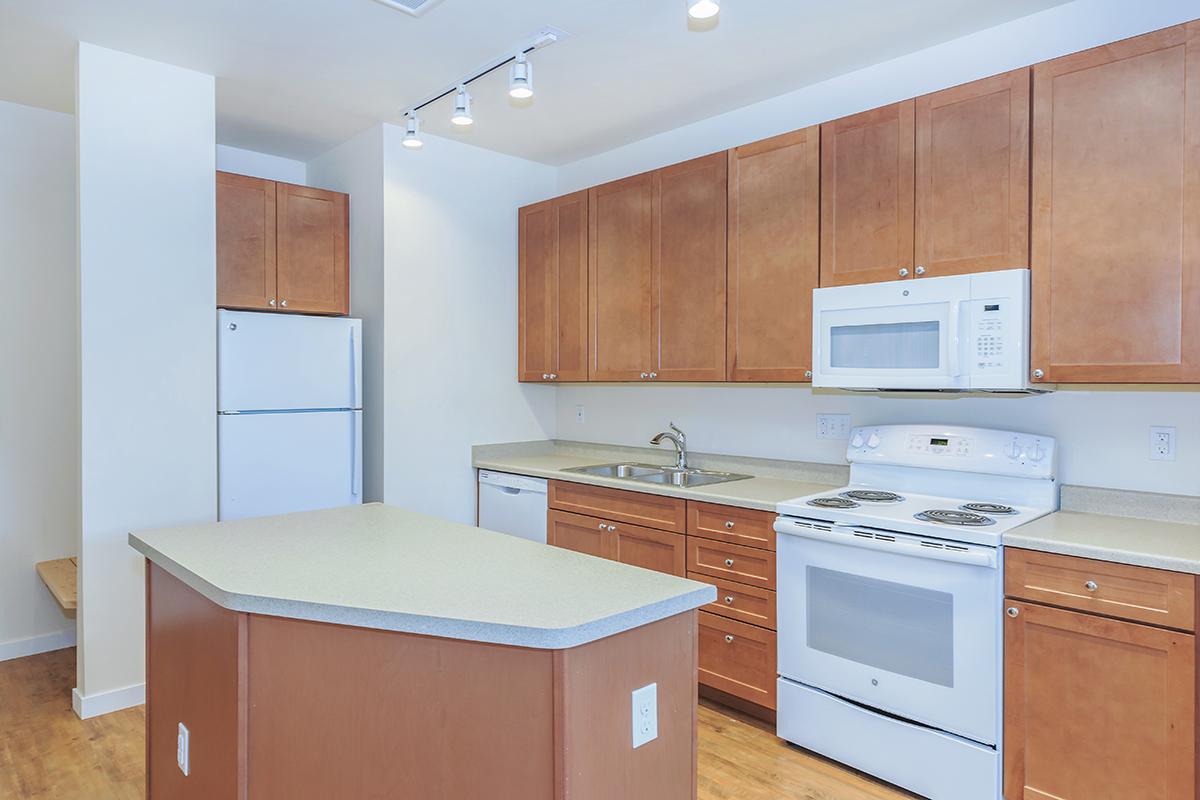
(94, 705)
(20, 648)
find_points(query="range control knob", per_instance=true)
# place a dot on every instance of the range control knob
(873, 440)
(1013, 450)
(1036, 453)
(856, 440)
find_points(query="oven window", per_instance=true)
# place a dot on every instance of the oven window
(891, 345)
(903, 629)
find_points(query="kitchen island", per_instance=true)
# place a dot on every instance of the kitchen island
(375, 652)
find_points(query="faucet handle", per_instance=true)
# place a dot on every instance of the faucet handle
(682, 436)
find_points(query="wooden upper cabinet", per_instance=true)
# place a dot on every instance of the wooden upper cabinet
(245, 242)
(867, 197)
(313, 250)
(773, 259)
(1116, 212)
(1096, 707)
(688, 272)
(972, 177)
(620, 256)
(553, 289)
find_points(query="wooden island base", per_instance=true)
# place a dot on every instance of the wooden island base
(278, 707)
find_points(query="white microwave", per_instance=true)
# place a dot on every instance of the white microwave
(959, 333)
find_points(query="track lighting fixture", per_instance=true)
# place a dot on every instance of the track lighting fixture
(412, 134)
(520, 78)
(703, 9)
(462, 108)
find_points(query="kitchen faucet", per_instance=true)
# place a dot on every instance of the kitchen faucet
(679, 439)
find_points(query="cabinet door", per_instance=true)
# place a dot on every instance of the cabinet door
(245, 242)
(1095, 707)
(773, 262)
(314, 257)
(867, 196)
(621, 236)
(579, 533)
(737, 658)
(552, 329)
(972, 184)
(688, 273)
(1116, 233)
(648, 548)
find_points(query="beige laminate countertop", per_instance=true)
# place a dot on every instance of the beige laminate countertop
(378, 566)
(762, 494)
(1125, 540)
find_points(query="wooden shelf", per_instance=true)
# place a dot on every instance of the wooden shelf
(59, 577)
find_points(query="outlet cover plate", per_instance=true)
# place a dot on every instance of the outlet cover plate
(645, 715)
(1162, 443)
(181, 749)
(833, 426)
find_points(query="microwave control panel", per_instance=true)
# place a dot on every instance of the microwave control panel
(989, 334)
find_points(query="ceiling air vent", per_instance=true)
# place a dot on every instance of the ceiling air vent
(414, 7)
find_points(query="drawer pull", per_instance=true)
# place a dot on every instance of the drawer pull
(1012, 612)
(729, 524)
(728, 638)
(728, 599)
(1091, 586)
(729, 562)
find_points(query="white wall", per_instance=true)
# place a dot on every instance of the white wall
(1104, 432)
(39, 425)
(147, 298)
(450, 243)
(261, 165)
(356, 167)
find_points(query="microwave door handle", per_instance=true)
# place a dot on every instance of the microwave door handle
(954, 344)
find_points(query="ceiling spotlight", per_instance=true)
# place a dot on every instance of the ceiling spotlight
(520, 78)
(462, 108)
(412, 134)
(703, 9)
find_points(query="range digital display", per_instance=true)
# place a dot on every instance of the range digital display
(939, 442)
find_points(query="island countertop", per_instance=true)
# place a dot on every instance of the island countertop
(377, 566)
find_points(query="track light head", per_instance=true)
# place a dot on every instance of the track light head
(412, 133)
(462, 108)
(703, 9)
(520, 78)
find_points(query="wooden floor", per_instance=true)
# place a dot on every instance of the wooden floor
(48, 752)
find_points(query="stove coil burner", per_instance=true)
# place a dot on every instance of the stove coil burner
(951, 517)
(832, 502)
(872, 496)
(988, 508)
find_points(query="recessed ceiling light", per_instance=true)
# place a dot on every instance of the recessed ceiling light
(414, 7)
(462, 108)
(412, 134)
(703, 9)
(520, 78)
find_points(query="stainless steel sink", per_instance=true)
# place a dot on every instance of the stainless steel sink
(666, 476)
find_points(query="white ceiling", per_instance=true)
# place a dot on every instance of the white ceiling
(295, 77)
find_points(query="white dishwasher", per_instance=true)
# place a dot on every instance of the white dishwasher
(513, 504)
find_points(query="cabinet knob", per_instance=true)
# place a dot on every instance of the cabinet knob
(645, 375)
(728, 599)
(271, 302)
(1039, 374)
(808, 373)
(1012, 612)
(729, 562)
(653, 375)
(612, 527)
(601, 526)
(545, 376)
(728, 638)
(729, 523)
(920, 270)
(283, 303)
(1091, 586)
(904, 272)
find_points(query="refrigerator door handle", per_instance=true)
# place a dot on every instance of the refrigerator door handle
(354, 376)
(355, 457)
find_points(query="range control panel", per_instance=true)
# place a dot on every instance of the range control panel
(956, 448)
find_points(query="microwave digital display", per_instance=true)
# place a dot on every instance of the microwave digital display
(991, 307)
(939, 442)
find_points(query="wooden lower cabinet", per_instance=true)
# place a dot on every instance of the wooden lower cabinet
(732, 562)
(638, 508)
(1096, 707)
(737, 658)
(579, 533)
(740, 602)
(635, 545)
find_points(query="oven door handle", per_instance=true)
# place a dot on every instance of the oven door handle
(907, 547)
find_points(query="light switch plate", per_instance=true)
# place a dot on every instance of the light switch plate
(1162, 443)
(181, 749)
(833, 426)
(645, 715)
(579, 414)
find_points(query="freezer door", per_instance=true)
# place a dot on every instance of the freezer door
(281, 361)
(276, 463)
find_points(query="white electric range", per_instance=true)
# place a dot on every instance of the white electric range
(889, 599)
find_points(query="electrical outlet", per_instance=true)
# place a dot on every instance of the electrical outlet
(579, 414)
(181, 749)
(833, 426)
(645, 715)
(1162, 443)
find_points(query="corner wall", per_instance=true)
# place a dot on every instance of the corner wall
(39, 424)
(147, 299)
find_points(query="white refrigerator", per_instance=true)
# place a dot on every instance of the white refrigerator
(289, 413)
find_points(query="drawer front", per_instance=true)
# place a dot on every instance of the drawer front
(737, 658)
(637, 508)
(1141, 594)
(731, 524)
(731, 562)
(740, 601)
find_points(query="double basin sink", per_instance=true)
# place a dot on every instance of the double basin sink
(664, 476)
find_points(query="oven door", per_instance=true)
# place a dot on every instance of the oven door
(900, 623)
(898, 335)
